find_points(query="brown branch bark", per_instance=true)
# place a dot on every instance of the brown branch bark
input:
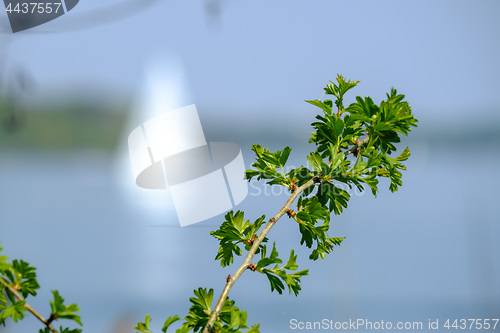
(246, 263)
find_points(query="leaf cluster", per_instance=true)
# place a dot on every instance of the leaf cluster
(61, 311)
(233, 233)
(380, 125)
(353, 148)
(311, 213)
(269, 165)
(18, 280)
(230, 320)
(61, 330)
(279, 275)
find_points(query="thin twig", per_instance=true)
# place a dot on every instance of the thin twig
(27, 306)
(357, 145)
(246, 263)
(231, 279)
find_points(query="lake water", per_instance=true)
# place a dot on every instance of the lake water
(429, 251)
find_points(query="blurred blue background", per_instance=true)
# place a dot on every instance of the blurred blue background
(70, 91)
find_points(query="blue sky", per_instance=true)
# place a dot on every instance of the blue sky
(271, 55)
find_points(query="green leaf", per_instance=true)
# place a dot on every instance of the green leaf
(329, 130)
(199, 313)
(372, 182)
(67, 330)
(203, 298)
(185, 328)
(339, 89)
(404, 155)
(144, 327)
(292, 262)
(338, 126)
(272, 259)
(283, 155)
(326, 106)
(230, 319)
(61, 311)
(292, 280)
(3, 264)
(254, 329)
(344, 86)
(61, 330)
(238, 319)
(278, 275)
(275, 282)
(233, 231)
(267, 164)
(311, 210)
(169, 321)
(316, 161)
(15, 311)
(235, 318)
(23, 275)
(335, 198)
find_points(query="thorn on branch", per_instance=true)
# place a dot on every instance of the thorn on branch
(293, 187)
(316, 179)
(228, 278)
(252, 267)
(291, 213)
(272, 220)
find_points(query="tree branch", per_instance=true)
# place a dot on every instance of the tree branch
(357, 145)
(246, 263)
(28, 307)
